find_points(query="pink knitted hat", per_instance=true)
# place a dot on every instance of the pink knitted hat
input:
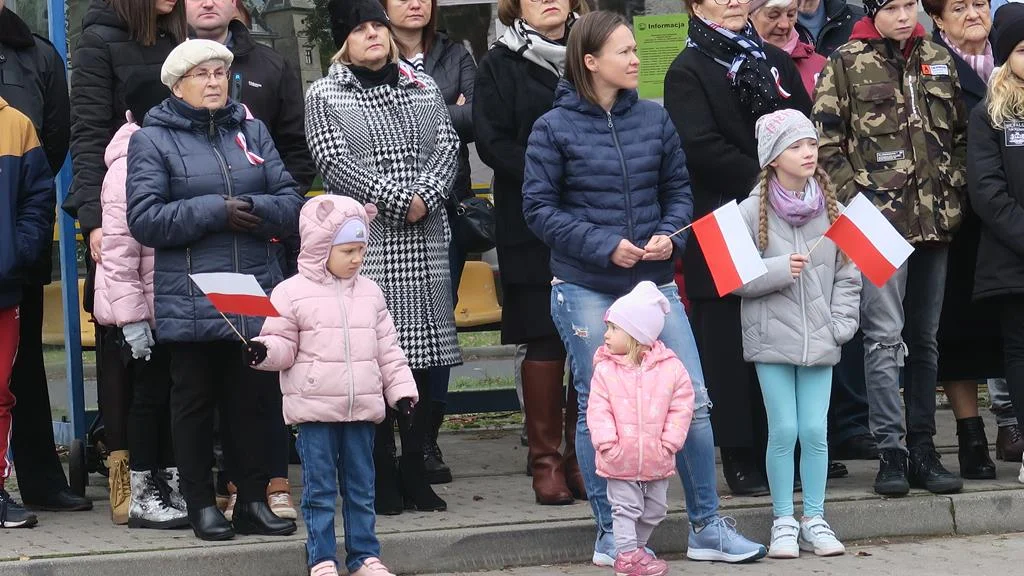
(641, 313)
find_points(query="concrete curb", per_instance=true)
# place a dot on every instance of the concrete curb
(502, 351)
(495, 547)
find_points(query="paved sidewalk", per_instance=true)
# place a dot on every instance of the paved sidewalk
(493, 522)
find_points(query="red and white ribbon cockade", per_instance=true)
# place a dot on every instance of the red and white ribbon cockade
(252, 157)
(778, 84)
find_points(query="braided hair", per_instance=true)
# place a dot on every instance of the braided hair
(762, 220)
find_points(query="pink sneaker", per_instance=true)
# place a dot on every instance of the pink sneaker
(639, 563)
(372, 567)
(325, 568)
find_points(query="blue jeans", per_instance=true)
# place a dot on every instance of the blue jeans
(578, 314)
(796, 399)
(338, 454)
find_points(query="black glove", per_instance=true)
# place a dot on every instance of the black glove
(240, 216)
(256, 352)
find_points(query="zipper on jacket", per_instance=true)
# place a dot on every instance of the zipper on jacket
(348, 351)
(625, 189)
(803, 301)
(640, 419)
(188, 266)
(230, 190)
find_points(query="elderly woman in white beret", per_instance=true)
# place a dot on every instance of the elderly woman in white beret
(208, 191)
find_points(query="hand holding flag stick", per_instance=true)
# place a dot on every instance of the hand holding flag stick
(235, 294)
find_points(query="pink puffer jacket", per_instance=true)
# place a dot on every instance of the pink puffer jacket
(124, 277)
(639, 415)
(335, 342)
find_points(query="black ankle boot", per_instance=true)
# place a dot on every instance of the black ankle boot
(975, 462)
(433, 461)
(257, 518)
(415, 488)
(209, 524)
(742, 473)
(926, 471)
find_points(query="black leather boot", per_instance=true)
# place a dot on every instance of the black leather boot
(388, 495)
(433, 461)
(743, 475)
(417, 491)
(1009, 443)
(209, 524)
(975, 462)
(258, 518)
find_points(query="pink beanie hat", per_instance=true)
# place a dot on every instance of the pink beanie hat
(641, 313)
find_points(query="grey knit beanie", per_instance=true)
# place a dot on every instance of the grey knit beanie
(778, 130)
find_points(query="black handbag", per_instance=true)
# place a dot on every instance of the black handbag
(474, 218)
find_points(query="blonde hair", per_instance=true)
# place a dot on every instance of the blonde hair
(1005, 97)
(824, 182)
(634, 349)
(341, 56)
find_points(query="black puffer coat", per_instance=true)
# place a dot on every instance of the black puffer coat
(181, 166)
(454, 71)
(103, 60)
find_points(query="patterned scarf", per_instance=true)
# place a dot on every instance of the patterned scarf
(982, 64)
(524, 40)
(796, 208)
(742, 55)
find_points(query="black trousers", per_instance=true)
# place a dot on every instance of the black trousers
(1012, 319)
(149, 418)
(412, 433)
(738, 416)
(113, 385)
(848, 410)
(206, 376)
(35, 453)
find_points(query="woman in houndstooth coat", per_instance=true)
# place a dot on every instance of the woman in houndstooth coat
(381, 134)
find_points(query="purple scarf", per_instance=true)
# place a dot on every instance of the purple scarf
(796, 208)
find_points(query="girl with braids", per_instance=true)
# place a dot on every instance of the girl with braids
(795, 319)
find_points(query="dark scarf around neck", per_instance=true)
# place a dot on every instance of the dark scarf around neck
(388, 75)
(742, 55)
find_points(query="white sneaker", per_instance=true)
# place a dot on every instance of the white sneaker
(785, 531)
(817, 536)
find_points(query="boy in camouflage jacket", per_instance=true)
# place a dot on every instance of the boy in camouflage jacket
(893, 127)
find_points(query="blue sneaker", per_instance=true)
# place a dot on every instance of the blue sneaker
(719, 541)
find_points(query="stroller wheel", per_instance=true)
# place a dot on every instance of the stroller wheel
(78, 474)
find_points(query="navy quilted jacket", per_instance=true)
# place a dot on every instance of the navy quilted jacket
(593, 178)
(181, 166)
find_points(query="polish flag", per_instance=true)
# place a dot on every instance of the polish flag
(235, 294)
(863, 233)
(728, 248)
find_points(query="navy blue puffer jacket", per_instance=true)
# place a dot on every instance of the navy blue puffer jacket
(182, 165)
(594, 178)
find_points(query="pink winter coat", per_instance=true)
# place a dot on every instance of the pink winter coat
(335, 342)
(639, 415)
(124, 277)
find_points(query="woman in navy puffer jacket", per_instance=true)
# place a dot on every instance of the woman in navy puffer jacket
(208, 191)
(605, 187)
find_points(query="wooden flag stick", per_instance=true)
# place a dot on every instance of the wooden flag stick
(815, 245)
(681, 230)
(233, 329)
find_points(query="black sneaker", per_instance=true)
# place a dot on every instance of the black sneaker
(926, 471)
(12, 515)
(892, 473)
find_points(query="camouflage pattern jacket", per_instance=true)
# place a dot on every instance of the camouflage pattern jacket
(892, 125)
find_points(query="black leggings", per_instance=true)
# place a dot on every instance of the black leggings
(412, 433)
(1012, 318)
(547, 349)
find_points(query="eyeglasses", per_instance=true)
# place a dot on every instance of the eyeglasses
(215, 75)
(727, 2)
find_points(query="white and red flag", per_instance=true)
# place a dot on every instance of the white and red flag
(235, 293)
(864, 234)
(728, 248)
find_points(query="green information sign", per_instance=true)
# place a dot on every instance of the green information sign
(659, 40)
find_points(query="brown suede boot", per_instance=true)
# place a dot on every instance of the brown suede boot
(542, 395)
(573, 476)
(119, 480)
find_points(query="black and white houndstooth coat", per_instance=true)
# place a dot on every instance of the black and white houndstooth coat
(382, 145)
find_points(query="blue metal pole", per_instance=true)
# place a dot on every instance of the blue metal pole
(68, 255)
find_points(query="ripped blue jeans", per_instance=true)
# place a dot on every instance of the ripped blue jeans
(900, 321)
(578, 314)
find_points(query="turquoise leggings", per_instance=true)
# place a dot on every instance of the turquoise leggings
(796, 399)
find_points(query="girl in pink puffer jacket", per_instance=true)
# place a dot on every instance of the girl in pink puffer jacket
(337, 349)
(641, 404)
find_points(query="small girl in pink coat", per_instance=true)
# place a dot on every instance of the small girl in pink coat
(337, 349)
(641, 403)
